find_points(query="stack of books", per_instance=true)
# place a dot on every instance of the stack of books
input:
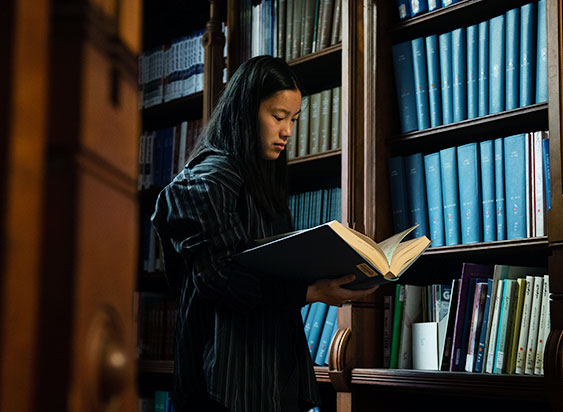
(310, 209)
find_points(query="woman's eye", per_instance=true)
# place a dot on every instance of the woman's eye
(294, 120)
(279, 119)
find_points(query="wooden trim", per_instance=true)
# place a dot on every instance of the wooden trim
(214, 44)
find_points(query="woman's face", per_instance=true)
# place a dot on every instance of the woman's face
(277, 116)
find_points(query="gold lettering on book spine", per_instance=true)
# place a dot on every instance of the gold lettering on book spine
(367, 270)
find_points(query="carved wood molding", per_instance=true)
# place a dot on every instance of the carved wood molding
(338, 370)
(553, 368)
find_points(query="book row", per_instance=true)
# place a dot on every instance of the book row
(319, 126)
(310, 209)
(156, 321)
(320, 325)
(496, 65)
(160, 402)
(164, 152)
(497, 322)
(478, 192)
(413, 8)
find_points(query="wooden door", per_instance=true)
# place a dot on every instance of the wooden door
(69, 214)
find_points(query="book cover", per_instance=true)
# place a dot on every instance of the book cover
(289, 30)
(420, 82)
(500, 202)
(292, 144)
(515, 187)
(309, 319)
(412, 313)
(335, 133)
(479, 300)
(512, 60)
(316, 328)
(303, 132)
(506, 316)
(497, 54)
(531, 345)
(528, 42)
(447, 357)
(326, 112)
(519, 366)
(403, 9)
(459, 74)
(488, 198)
(434, 82)
(418, 7)
(398, 188)
(326, 335)
(483, 68)
(434, 198)
(450, 195)
(538, 196)
(425, 346)
(314, 123)
(434, 4)
(541, 55)
(445, 46)
(469, 193)
(480, 349)
(397, 317)
(546, 171)
(418, 210)
(472, 71)
(543, 331)
(515, 330)
(404, 83)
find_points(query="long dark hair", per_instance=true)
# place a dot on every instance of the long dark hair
(234, 128)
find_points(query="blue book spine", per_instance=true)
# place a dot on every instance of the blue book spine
(418, 7)
(512, 59)
(404, 82)
(446, 3)
(541, 59)
(326, 335)
(434, 82)
(420, 82)
(316, 328)
(309, 322)
(528, 31)
(497, 54)
(459, 74)
(404, 10)
(547, 179)
(418, 212)
(434, 198)
(434, 4)
(334, 330)
(305, 312)
(472, 71)
(499, 189)
(515, 187)
(450, 197)
(398, 188)
(469, 196)
(445, 45)
(484, 68)
(487, 155)
(484, 327)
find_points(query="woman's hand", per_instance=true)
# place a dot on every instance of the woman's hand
(331, 292)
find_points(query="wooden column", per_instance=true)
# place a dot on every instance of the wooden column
(213, 43)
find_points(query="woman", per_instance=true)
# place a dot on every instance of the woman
(240, 344)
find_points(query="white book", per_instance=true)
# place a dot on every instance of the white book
(534, 326)
(543, 332)
(524, 326)
(425, 346)
(493, 328)
(412, 313)
(538, 185)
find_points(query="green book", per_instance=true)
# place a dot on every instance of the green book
(281, 26)
(292, 143)
(310, 7)
(506, 320)
(397, 317)
(335, 126)
(326, 112)
(315, 123)
(303, 132)
(297, 35)
(289, 29)
(515, 332)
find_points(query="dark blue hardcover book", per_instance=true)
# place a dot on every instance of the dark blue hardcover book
(459, 74)
(420, 83)
(515, 185)
(418, 7)
(512, 59)
(398, 188)
(469, 193)
(472, 71)
(445, 45)
(404, 82)
(434, 4)
(404, 9)
(528, 42)
(450, 195)
(416, 188)
(434, 82)
(541, 58)
(326, 335)
(434, 198)
(484, 68)
(547, 179)
(316, 328)
(446, 3)
(497, 68)
(485, 325)
(499, 189)
(487, 156)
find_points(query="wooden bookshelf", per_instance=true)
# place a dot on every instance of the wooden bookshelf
(173, 112)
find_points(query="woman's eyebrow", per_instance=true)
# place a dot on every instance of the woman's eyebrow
(279, 109)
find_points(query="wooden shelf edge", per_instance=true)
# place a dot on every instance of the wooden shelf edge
(336, 48)
(321, 373)
(156, 366)
(313, 157)
(524, 243)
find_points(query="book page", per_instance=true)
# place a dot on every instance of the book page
(389, 245)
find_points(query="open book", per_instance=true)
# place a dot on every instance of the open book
(332, 250)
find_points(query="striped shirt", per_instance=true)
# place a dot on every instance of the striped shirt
(237, 333)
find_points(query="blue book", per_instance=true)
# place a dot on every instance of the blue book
(309, 321)
(541, 58)
(420, 83)
(487, 155)
(404, 10)
(472, 71)
(326, 335)
(528, 42)
(404, 82)
(450, 197)
(434, 4)
(469, 196)
(497, 54)
(484, 68)
(416, 188)
(398, 188)
(434, 198)
(515, 185)
(305, 312)
(434, 82)
(480, 352)
(445, 46)
(499, 189)
(418, 7)
(547, 179)
(512, 100)
(316, 328)
(446, 3)
(459, 74)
